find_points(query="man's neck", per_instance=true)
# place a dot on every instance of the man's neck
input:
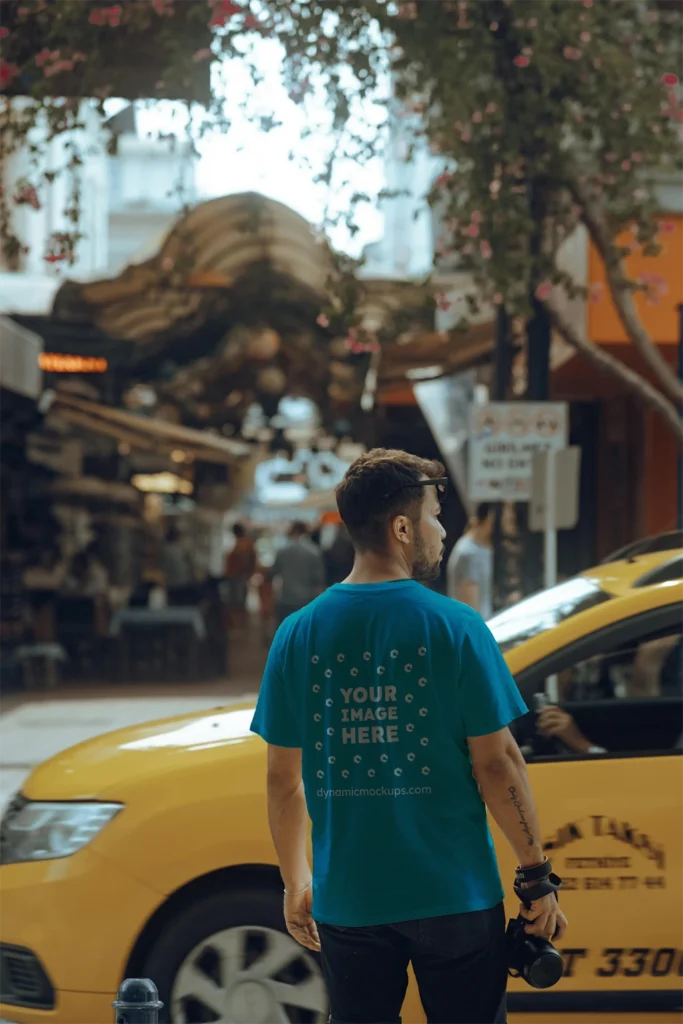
(370, 567)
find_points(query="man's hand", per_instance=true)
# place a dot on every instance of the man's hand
(545, 918)
(556, 723)
(300, 924)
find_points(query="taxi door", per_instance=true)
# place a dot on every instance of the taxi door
(612, 826)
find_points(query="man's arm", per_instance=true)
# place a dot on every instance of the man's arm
(288, 819)
(500, 771)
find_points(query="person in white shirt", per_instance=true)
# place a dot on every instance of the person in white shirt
(469, 574)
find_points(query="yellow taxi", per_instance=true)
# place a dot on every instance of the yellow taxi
(146, 852)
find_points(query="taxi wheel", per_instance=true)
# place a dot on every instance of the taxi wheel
(227, 959)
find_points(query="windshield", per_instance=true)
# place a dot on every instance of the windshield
(544, 610)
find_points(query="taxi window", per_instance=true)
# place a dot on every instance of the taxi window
(544, 611)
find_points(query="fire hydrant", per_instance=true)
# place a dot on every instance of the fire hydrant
(138, 1002)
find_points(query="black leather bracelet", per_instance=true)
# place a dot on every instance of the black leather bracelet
(535, 873)
(542, 888)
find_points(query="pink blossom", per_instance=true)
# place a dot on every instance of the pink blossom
(8, 72)
(443, 179)
(164, 8)
(669, 79)
(639, 194)
(498, 298)
(222, 12)
(203, 54)
(79, 57)
(466, 136)
(521, 62)
(527, 51)
(322, 320)
(106, 15)
(543, 291)
(587, 3)
(407, 11)
(626, 165)
(585, 37)
(571, 53)
(485, 249)
(443, 302)
(477, 117)
(472, 231)
(476, 217)
(27, 196)
(493, 27)
(627, 107)
(595, 292)
(4, 32)
(491, 108)
(251, 22)
(42, 57)
(667, 227)
(636, 157)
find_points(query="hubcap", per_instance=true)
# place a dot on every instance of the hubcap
(249, 975)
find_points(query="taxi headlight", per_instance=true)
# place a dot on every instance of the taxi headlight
(32, 830)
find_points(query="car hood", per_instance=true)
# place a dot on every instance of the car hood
(111, 763)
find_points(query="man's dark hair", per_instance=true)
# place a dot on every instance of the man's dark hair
(482, 512)
(298, 529)
(378, 487)
(239, 530)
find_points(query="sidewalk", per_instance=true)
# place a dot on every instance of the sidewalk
(36, 725)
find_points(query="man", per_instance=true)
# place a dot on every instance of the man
(378, 701)
(300, 570)
(240, 566)
(470, 566)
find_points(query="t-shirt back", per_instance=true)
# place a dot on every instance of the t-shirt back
(380, 685)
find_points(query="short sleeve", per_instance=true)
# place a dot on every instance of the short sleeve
(273, 718)
(489, 694)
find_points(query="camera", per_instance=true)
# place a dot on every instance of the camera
(532, 958)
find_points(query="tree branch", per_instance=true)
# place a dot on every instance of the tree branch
(606, 362)
(622, 294)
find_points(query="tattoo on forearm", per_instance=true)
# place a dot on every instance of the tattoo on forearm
(517, 804)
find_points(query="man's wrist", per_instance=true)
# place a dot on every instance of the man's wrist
(297, 882)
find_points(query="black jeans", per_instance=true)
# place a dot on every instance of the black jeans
(460, 964)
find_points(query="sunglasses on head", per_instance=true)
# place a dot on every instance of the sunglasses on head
(440, 482)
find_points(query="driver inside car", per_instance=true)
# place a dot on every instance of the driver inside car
(656, 671)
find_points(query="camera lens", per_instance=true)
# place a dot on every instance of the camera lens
(546, 970)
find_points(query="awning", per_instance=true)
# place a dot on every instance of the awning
(431, 355)
(222, 239)
(19, 353)
(147, 434)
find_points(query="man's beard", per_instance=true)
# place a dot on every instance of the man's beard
(423, 568)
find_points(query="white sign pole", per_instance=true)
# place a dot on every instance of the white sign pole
(550, 554)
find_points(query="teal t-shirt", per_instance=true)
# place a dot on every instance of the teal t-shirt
(380, 685)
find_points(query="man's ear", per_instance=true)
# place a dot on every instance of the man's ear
(400, 528)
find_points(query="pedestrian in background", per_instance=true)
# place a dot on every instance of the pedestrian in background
(386, 709)
(240, 566)
(469, 573)
(298, 571)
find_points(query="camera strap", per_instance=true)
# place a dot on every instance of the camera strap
(543, 887)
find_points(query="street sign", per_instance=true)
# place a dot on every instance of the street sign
(503, 439)
(565, 506)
